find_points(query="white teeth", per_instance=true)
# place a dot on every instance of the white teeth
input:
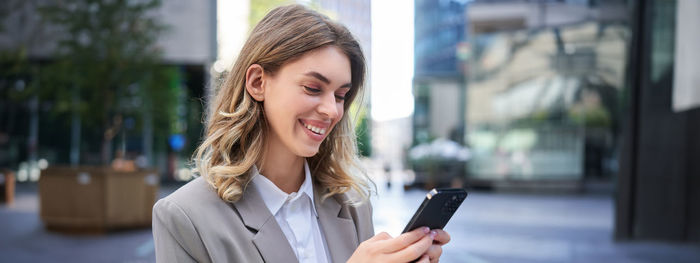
(315, 129)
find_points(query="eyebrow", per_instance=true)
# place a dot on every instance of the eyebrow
(323, 78)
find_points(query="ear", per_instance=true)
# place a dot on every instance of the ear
(254, 82)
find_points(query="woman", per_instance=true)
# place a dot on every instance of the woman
(277, 166)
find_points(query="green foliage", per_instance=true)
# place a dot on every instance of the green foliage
(422, 136)
(162, 92)
(107, 48)
(363, 133)
(15, 76)
(596, 116)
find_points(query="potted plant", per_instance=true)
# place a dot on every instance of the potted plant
(439, 162)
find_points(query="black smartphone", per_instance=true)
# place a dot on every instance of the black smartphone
(437, 208)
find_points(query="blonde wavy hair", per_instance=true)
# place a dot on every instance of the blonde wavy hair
(236, 128)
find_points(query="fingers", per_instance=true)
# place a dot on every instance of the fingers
(381, 236)
(406, 239)
(434, 253)
(424, 259)
(441, 237)
(413, 251)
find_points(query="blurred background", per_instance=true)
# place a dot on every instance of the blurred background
(573, 124)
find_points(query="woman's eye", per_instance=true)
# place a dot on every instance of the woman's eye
(339, 97)
(312, 90)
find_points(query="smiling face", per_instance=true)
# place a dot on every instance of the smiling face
(303, 100)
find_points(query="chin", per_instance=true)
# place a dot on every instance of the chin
(308, 152)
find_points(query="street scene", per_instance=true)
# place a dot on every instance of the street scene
(572, 124)
(488, 227)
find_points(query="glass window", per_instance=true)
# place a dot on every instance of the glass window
(543, 104)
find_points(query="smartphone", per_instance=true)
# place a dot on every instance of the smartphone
(437, 208)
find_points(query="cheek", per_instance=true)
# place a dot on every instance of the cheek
(276, 114)
(280, 106)
(341, 111)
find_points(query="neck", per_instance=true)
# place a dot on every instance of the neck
(284, 169)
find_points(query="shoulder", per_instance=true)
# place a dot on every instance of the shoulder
(188, 202)
(176, 223)
(192, 193)
(203, 224)
(193, 200)
(198, 204)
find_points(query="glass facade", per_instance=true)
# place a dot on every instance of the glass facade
(439, 27)
(546, 103)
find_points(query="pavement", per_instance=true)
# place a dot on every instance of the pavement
(488, 227)
(509, 227)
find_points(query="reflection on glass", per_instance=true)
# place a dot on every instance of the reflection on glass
(544, 104)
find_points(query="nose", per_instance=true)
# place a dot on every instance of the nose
(328, 106)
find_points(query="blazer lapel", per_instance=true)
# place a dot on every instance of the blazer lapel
(269, 239)
(337, 226)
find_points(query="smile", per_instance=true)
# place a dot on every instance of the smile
(314, 129)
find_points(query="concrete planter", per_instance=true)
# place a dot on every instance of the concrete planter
(7, 186)
(96, 198)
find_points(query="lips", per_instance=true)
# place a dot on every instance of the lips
(316, 127)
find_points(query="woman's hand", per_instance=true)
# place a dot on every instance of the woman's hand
(421, 244)
(441, 238)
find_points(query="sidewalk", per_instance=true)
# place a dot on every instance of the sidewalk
(489, 227)
(499, 227)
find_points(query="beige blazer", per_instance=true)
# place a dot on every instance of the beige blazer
(194, 225)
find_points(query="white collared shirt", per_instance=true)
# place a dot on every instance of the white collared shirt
(296, 209)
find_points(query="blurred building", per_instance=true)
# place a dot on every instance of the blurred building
(543, 98)
(438, 83)
(658, 184)
(190, 39)
(562, 92)
(504, 15)
(189, 44)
